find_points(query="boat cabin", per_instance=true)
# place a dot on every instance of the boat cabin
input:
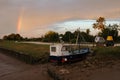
(59, 50)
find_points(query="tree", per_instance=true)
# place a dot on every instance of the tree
(100, 23)
(13, 37)
(51, 36)
(83, 36)
(5, 37)
(76, 32)
(18, 37)
(88, 31)
(68, 36)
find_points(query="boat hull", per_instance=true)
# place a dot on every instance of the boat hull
(68, 58)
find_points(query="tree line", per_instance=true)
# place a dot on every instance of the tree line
(52, 36)
(70, 37)
(13, 36)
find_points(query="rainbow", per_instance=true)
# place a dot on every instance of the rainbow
(19, 23)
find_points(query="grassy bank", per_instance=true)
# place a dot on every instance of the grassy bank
(42, 51)
(107, 52)
(34, 50)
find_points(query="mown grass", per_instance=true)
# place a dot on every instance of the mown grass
(107, 52)
(34, 50)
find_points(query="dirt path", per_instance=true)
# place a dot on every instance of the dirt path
(13, 69)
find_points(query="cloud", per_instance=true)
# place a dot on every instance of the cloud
(43, 13)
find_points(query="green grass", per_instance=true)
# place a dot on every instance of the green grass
(108, 52)
(35, 50)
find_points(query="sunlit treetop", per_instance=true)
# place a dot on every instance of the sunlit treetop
(100, 23)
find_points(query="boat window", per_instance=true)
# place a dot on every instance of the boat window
(65, 48)
(53, 49)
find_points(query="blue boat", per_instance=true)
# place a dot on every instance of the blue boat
(61, 53)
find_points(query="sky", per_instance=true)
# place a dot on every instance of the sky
(33, 18)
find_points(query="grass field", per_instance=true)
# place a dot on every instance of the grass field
(105, 52)
(38, 50)
(35, 50)
(42, 51)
